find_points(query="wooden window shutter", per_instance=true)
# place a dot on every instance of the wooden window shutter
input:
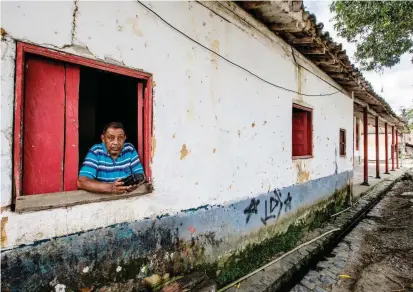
(300, 133)
(50, 148)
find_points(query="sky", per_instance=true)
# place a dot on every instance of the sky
(395, 85)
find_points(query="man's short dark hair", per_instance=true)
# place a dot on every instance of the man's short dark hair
(113, 125)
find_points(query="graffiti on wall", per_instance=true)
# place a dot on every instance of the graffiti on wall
(251, 209)
(273, 206)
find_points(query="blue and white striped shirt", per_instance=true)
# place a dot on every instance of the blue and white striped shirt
(101, 166)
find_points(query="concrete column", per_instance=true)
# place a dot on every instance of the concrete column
(392, 148)
(386, 148)
(377, 148)
(397, 149)
(366, 147)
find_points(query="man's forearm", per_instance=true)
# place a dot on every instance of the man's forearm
(91, 185)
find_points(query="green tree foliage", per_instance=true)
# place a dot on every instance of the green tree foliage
(381, 30)
(407, 115)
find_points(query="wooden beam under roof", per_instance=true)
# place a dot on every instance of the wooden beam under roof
(333, 68)
(324, 62)
(343, 76)
(270, 12)
(288, 27)
(342, 56)
(315, 51)
(356, 89)
(254, 4)
(303, 40)
(362, 97)
(348, 83)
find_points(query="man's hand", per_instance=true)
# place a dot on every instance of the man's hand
(135, 186)
(91, 185)
(132, 188)
(117, 187)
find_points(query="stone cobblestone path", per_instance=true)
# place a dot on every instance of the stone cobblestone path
(377, 255)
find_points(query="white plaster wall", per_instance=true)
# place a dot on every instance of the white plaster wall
(41, 22)
(382, 151)
(200, 100)
(357, 153)
(8, 52)
(330, 114)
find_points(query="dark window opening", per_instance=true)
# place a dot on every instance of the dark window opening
(302, 131)
(342, 142)
(105, 97)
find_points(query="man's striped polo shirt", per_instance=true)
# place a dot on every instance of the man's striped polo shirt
(101, 166)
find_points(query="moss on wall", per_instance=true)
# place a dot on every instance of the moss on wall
(269, 242)
(254, 255)
(149, 254)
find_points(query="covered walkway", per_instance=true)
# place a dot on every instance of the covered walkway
(358, 178)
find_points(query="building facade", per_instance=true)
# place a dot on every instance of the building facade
(242, 138)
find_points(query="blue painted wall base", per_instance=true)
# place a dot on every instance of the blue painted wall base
(170, 244)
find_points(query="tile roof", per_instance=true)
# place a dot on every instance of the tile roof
(299, 28)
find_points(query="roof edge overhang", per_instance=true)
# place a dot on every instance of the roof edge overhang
(299, 28)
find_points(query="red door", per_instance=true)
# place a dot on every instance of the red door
(45, 125)
(300, 134)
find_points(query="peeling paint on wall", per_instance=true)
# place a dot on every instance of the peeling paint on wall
(3, 32)
(83, 50)
(153, 147)
(4, 221)
(134, 24)
(75, 13)
(237, 104)
(299, 82)
(8, 51)
(174, 243)
(215, 48)
(303, 175)
(184, 151)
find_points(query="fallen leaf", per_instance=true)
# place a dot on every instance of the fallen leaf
(344, 276)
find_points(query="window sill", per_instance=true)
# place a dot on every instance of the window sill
(303, 157)
(72, 198)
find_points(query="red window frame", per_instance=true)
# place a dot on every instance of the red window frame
(144, 118)
(342, 142)
(309, 112)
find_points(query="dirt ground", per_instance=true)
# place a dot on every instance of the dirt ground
(384, 258)
(376, 255)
